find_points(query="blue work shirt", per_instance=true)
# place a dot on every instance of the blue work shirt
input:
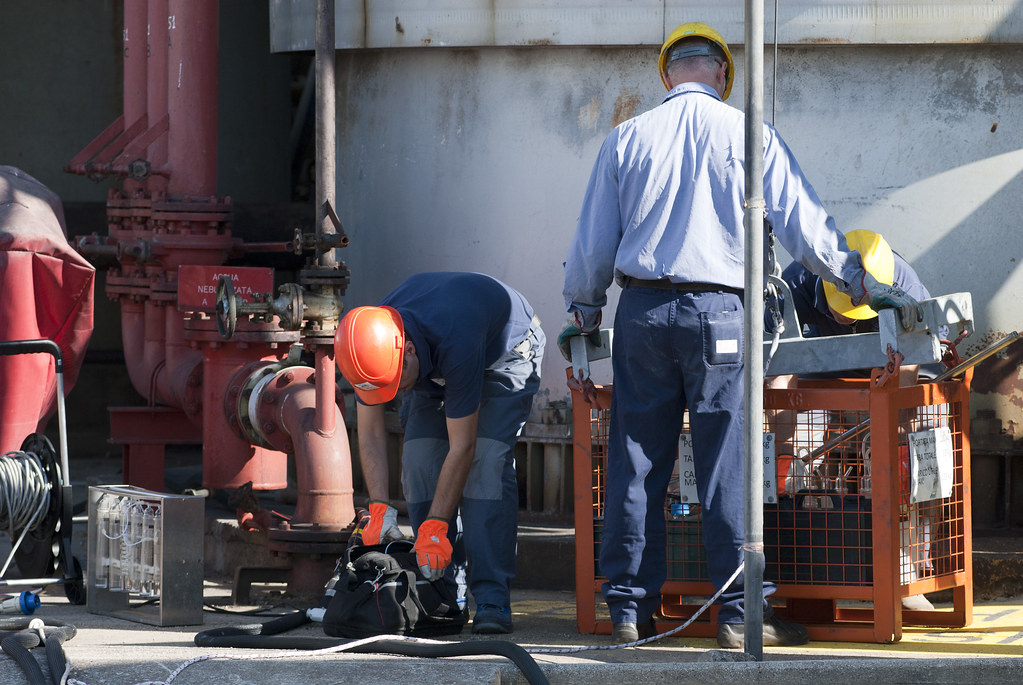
(460, 324)
(811, 304)
(665, 200)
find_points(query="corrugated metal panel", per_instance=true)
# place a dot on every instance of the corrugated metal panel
(463, 23)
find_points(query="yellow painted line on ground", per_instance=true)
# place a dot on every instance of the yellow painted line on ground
(996, 630)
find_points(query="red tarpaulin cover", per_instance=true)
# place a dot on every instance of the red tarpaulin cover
(46, 291)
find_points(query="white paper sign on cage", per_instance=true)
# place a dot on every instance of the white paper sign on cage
(686, 471)
(930, 464)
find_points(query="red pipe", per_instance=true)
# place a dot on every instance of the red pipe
(157, 100)
(135, 86)
(230, 461)
(143, 335)
(180, 378)
(326, 392)
(289, 417)
(192, 87)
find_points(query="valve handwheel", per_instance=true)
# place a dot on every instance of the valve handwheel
(227, 307)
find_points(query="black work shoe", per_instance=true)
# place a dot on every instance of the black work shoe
(630, 632)
(491, 618)
(777, 633)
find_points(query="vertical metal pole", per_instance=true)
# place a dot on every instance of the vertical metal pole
(753, 554)
(326, 136)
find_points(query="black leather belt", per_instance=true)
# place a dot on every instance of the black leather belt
(691, 287)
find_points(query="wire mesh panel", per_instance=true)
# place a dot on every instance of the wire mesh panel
(867, 501)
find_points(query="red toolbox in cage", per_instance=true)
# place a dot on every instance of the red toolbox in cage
(844, 543)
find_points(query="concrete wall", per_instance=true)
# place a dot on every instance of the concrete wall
(477, 159)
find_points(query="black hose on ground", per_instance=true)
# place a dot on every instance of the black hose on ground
(17, 644)
(14, 648)
(264, 636)
(55, 657)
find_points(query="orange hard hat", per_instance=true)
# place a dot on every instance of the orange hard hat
(369, 347)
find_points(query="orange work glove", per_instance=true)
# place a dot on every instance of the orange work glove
(433, 549)
(383, 524)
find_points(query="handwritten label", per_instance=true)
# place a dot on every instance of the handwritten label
(930, 464)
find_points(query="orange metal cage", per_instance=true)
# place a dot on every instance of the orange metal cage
(844, 539)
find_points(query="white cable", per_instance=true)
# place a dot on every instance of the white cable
(24, 496)
(652, 638)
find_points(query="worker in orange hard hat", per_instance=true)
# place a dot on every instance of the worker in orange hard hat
(663, 217)
(467, 349)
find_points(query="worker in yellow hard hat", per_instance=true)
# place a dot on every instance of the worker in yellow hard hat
(822, 309)
(685, 41)
(663, 217)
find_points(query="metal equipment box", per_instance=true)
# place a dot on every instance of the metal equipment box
(845, 541)
(145, 555)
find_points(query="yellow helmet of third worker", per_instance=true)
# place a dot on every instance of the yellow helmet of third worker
(696, 29)
(879, 262)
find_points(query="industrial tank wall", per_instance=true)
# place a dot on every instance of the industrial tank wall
(477, 159)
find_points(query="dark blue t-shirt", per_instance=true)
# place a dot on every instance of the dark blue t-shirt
(461, 324)
(812, 305)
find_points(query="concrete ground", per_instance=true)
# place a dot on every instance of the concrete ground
(115, 651)
(111, 650)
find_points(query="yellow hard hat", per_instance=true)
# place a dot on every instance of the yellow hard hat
(696, 29)
(877, 260)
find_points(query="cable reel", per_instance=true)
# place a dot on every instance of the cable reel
(31, 480)
(39, 552)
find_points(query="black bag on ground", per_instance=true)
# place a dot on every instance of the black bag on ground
(379, 590)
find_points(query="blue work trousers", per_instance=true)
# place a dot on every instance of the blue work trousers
(483, 535)
(673, 349)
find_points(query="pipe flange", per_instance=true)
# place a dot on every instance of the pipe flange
(308, 539)
(331, 278)
(266, 401)
(248, 403)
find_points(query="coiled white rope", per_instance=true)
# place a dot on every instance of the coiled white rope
(24, 496)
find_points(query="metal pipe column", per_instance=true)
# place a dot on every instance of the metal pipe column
(326, 169)
(326, 135)
(753, 548)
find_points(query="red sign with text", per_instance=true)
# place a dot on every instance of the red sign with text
(197, 285)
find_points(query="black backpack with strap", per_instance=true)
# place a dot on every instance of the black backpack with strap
(379, 590)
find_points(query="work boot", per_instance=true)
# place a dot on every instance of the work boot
(917, 603)
(626, 632)
(492, 619)
(777, 633)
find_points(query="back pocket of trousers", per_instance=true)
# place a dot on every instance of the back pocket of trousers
(722, 337)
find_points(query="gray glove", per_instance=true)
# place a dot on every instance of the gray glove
(573, 327)
(881, 296)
